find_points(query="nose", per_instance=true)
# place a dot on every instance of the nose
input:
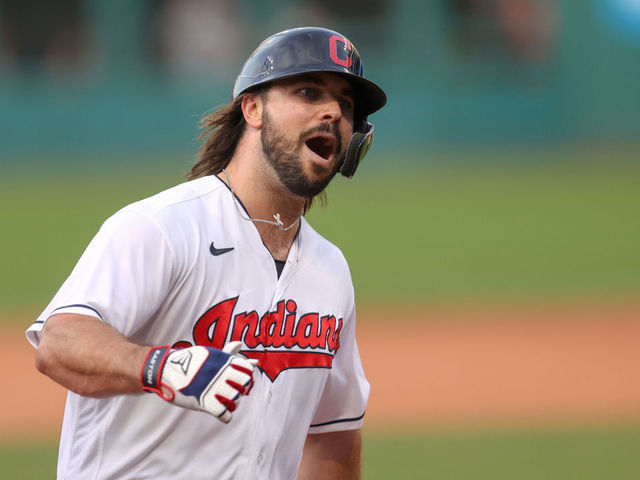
(331, 110)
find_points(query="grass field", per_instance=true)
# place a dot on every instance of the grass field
(576, 455)
(549, 455)
(560, 228)
(496, 230)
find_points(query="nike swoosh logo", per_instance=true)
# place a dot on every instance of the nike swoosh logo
(219, 251)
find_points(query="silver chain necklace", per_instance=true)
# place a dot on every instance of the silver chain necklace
(277, 223)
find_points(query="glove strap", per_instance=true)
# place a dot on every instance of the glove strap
(152, 367)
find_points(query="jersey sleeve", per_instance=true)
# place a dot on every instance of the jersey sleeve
(121, 277)
(346, 391)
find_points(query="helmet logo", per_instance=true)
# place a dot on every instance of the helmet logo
(267, 66)
(333, 50)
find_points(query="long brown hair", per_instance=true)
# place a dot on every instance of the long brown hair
(222, 130)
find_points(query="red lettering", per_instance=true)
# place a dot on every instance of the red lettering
(245, 327)
(211, 329)
(307, 331)
(275, 329)
(271, 327)
(289, 324)
(327, 329)
(334, 343)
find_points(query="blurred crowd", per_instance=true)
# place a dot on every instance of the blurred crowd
(199, 36)
(179, 36)
(458, 72)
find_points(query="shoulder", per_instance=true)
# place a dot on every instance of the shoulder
(178, 198)
(182, 204)
(179, 208)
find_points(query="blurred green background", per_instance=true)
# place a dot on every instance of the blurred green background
(506, 167)
(565, 228)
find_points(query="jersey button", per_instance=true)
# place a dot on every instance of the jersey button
(269, 397)
(260, 459)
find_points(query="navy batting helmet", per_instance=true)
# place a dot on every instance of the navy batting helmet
(311, 49)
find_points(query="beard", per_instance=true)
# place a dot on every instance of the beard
(283, 155)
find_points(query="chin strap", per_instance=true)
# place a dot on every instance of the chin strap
(358, 147)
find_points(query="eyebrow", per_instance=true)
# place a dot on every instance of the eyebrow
(318, 80)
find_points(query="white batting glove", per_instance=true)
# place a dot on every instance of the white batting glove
(200, 378)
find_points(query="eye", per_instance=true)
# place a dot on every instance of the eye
(308, 92)
(346, 104)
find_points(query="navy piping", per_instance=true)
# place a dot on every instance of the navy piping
(234, 194)
(79, 305)
(342, 420)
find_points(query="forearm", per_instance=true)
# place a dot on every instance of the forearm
(89, 357)
(332, 456)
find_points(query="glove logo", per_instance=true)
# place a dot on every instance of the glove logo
(183, 360)
(280, 340)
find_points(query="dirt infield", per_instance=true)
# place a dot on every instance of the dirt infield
(447, 368)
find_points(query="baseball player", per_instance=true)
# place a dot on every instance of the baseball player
(208, 331)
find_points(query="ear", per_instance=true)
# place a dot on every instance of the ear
(252, 106)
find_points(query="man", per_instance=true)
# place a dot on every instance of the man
(217, 295)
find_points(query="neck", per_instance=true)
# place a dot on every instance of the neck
(278, 232)
(262, 193)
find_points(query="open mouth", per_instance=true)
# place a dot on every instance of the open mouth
(322, 145)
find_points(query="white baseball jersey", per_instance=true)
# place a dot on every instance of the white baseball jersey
(183, 268)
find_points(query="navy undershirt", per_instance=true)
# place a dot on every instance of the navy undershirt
(279, 266)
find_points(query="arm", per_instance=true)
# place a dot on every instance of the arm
(332, 456)
(92, 359)
(89, 357)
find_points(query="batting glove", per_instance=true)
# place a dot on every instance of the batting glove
(199, 378)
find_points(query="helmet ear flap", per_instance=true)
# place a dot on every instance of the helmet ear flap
(358, 147)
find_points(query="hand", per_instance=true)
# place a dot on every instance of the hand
(200, 378)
